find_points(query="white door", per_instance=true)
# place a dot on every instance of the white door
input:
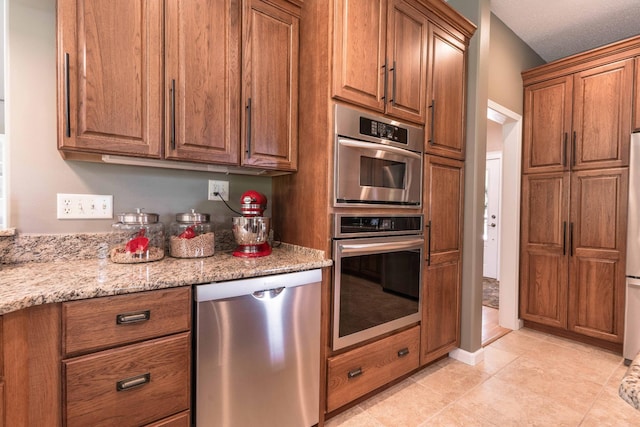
(492, 217)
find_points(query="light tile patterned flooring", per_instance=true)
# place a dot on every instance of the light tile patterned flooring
(527, 378)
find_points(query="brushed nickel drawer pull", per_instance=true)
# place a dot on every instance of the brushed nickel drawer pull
(403, 352)
(355, 373)
(133, 382)
(138, 316)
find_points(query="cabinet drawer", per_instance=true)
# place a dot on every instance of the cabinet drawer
(100, 323)
(357, 372)
(128, 386)
(178, 420)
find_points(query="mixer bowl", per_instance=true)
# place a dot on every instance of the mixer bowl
(251, 230)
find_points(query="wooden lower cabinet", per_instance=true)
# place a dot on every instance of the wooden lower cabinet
(128, 386)
(573, 252)
(52, 375)
(357, 372)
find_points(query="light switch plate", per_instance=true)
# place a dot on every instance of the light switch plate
(84, 206)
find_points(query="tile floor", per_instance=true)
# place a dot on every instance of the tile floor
(527, 378)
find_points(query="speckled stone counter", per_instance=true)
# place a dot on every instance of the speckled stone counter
(629, 388)
(32, 283)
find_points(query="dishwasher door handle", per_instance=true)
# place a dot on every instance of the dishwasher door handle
(268, 294)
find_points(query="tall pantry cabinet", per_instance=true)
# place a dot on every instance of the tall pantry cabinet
(577, 128)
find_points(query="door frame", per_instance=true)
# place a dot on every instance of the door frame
(509, 240)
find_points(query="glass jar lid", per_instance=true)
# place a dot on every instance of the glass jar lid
(192, 216)
(138, 217)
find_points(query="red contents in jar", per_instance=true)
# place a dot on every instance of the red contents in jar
(138, 244)
(188, 233)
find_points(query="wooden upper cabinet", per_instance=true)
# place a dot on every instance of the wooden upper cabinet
(110, 76)
(547, 125)
(636, 97)
(359, 52)
(446, 94)
(270, 39)
(598, 253)
(202, 80)
(444, 206)
(380, 56)
(407, 61)
(545, 248)
(601, 116)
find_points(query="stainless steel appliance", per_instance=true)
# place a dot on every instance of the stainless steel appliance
(257, 351)
(378, 161)
(251, 230)
(377, 275)
(631, 345)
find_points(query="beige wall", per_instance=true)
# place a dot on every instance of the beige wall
(508, 57)
(494, 136)
(37, 172)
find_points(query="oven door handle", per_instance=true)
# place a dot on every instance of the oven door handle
(380, 147)
(408, 244)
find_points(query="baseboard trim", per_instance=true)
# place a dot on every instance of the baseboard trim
(467, 357)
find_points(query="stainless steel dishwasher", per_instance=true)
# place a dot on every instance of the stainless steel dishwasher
(257, 351)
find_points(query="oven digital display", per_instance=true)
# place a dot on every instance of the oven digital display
(383, 130)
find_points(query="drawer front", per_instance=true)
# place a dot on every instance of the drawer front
(357, 372)
(179, 420)
(129, 386)
(100, 323)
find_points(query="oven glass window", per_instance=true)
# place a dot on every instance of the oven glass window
(378, 288)
(381, 173)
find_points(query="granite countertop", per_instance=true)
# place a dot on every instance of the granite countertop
(33, 283)
(629, 389)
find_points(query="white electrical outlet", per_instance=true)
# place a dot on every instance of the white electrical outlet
(84, 206)
(220, 187)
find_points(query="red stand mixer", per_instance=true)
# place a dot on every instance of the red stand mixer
(251, 230)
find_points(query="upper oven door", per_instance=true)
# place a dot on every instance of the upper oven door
(371, 173)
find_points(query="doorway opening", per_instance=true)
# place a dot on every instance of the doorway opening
(502, 222)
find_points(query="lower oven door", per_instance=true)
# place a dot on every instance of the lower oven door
(371, 173)
(377, 284)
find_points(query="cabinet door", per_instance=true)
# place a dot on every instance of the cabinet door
(544, 249)
(202, 84)
(443, 195)
(598, 250)
(270, 86)
(359, 55)
(407, 52)
(636, 97)
(601, 116)
(547, 125)
(110, 76)
(446, 97)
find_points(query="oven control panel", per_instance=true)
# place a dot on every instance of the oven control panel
(376, 225)
(378, 129)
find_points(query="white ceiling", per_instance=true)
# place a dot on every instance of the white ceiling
(559, 28)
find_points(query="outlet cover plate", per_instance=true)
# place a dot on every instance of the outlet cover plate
(221, 187)
(84, 206)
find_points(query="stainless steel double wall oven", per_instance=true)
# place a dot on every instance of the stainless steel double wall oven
(378, 257)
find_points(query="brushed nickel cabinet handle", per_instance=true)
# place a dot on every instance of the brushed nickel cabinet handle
(355, 373)
(564, 238)
(573, 149)
(136, 317)
(429, 244)
(133, 382)
(571, 239)
(248, 150)
(431, 124)
(173, 114)
(67, 96)
(564, 149)
(403, 352)
(393, 85)
(384, 93)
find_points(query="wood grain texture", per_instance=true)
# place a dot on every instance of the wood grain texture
(91, 397)
(32, 378)
(636, 97)
(89, 325)
(379, 363)
(547, 126)
(113, 109)
(182, 419)
(270, 40)
(204, 61)
(446, 94)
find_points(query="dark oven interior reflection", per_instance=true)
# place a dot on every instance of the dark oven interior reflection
(378, 288)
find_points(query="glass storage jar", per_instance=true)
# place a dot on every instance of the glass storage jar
(191, 236)
(137, 237)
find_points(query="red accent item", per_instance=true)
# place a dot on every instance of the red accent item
(138, 244)
(252, 203)
(252, 251)
(188, 233)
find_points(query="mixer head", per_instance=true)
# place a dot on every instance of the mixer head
(252, 203)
